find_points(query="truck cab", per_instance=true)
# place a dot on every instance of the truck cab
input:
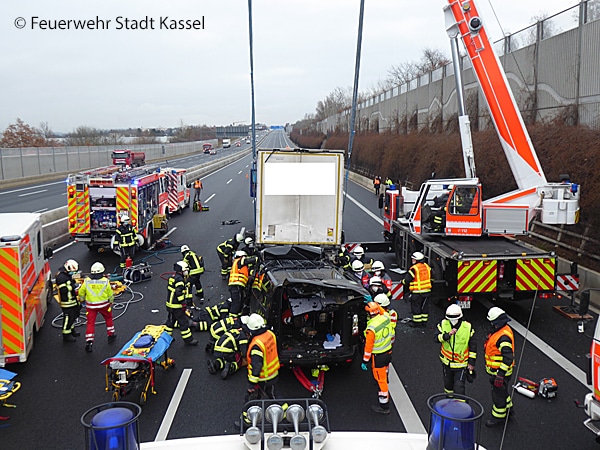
(226, 143)
(316, 312)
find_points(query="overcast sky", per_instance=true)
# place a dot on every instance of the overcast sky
(303, 50)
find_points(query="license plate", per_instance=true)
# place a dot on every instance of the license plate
(464, 304)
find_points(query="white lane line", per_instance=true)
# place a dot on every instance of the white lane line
(208, 199)
(559, 359)
(31, 187)
(41, 210)
(406, 410)
(230, 180)
(373, 216)
(32, 193)
(240, 172)
(165, 426)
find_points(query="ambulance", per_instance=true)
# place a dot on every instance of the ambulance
(25, 284)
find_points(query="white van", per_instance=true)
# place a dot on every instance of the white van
(226, 143)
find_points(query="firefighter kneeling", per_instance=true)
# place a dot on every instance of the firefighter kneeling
(229, 351)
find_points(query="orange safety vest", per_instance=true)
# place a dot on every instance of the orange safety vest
(493, 354)
(268, 348)
(197, 184)
(376, 181)
(239, 275)
(421, 282)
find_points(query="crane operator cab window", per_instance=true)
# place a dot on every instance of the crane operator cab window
(464, 201)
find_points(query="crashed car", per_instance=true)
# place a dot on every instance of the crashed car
(316, 312)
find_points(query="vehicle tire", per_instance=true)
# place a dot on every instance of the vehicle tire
(49, 293)
(149, 239)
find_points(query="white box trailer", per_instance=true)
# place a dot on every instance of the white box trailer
(299, 196)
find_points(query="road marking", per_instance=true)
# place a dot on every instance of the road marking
(32, 193)
(209, 198)
(408, 414)
(230, 180)
(31, 187)
(240, 172)
(165, 426)
(41, 210)
(373, 216)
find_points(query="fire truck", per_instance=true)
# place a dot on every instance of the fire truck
(470, 242)
(96, 199)
(25, 283)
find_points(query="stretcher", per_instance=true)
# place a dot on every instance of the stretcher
(132, 369)
(7, 388)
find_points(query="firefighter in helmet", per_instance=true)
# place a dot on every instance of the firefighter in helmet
(176, 302)
(229, 351)
(226, 250)
(126, 238)
(262, 358)
(68, 300)
(196, 266)
(418, 280)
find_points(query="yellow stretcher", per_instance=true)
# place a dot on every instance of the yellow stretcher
(7, 388)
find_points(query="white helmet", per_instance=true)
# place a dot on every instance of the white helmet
(383, 300)
(357, 265)
(184, 248)
(239, 254)
(494, 313)
(181, 266)
(358, 251)
(377, 265)
(71, 265)
(97, 267)
(454, 313)
(124, 218)
(418, 256)
(239, 237)
(248, 241)
(255, 322)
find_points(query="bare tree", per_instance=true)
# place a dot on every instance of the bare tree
(21, 134)
(338, 100)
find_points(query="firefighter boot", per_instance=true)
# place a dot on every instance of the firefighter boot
(212, 367)
(75, 333)
(112, 337)
(191, 341)
(88, 346)
(69, 338)
(381, 408)
(230, 368)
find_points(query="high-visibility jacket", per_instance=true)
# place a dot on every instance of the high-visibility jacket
(264, 348)
(261, 282)
(456, 351)
(198, 184)
(421, 278)
(126, 235)
(195, 263)
(221, 326)
(231, 341)
(239, 273)
(176, 291)
(228, 247)
(66, 290)
(97, 294)
(379, 336)
(376, 181)
(500, 351)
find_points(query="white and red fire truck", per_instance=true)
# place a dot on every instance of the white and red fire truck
(469, 241)
(25, 284)
(96, 199)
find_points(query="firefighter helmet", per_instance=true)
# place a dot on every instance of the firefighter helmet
(239, 254)
(494, 313)
(184, 248)
(255, 322)
(71, 265)
(357, 265)
(124, 218)
(382, 299)
(418, 256)
(375, 280)
(373, 308)
(239, 238)
(248, 241)
(454, 313)
(377, 265)
(358, 251)
(97, 267)
(181, 266)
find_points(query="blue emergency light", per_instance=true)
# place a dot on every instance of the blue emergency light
(112, 426)
(455, 422)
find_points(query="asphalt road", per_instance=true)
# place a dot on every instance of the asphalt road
(62, 381)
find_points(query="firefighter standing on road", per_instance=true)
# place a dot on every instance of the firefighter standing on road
(263, 361)
(225, 250)
(499, 362)
(458, 351)
(98, 296)
(176, 300)
(126, 238)
(196, 267)
(69, 302)
(238, 281)
(197, 189)
(418, 280)
(378, 349)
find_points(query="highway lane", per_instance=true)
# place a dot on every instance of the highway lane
(61, 381)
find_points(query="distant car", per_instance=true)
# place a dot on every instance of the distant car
(213, 151)
(208, 148)
(247, 141)
(238, 144)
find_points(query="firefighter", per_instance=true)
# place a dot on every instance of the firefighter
(378, 269)
(219, 327)
(229, 352)
(196, 267)
(458, 350)
(197, 190)
(249, 247)
(126, 238)
(241, 269)
(262, 358)
(226, 250)
(343, 259)
(384, 301)
(378, 350)
(358, 253)
(207, 316)
(176, 300)
(98, 296)
(418, 279)
(376, 287)
(359, 273)
(499, 362)
(68, 300)
(377, 184)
